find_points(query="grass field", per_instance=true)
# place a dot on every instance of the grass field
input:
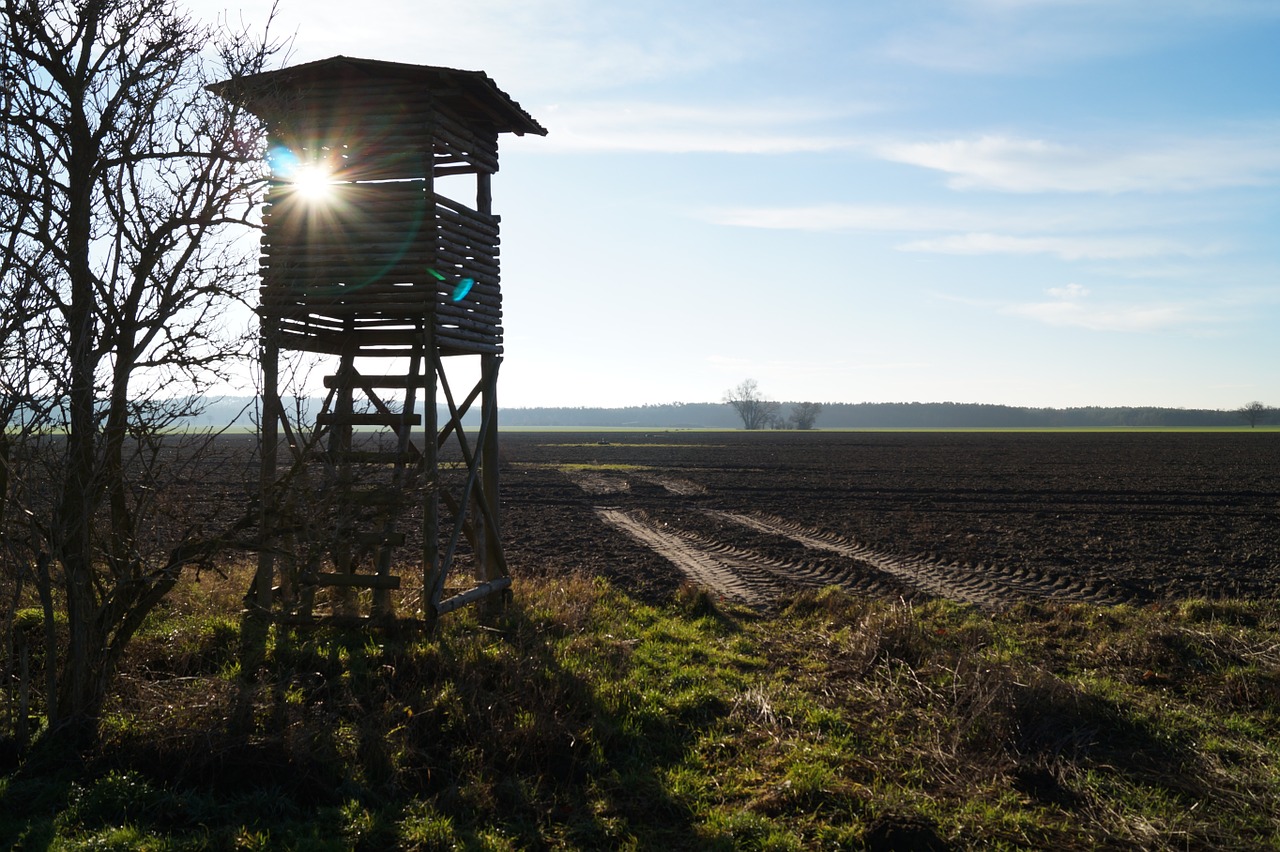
(940, 429)
(584, 719)
(610, 706)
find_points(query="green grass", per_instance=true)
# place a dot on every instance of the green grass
(1053, 429)
(584, 719)
(658, 430)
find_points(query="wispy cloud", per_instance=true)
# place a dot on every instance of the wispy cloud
(683, 128)
(1073, 306)
(844, 217)
(1010, 164)
(1084, 233)
(536, 46)
(1067, 248)
(1085, 216)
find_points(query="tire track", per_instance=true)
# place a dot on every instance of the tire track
(755, 580)
(597, 484)
(739, 577)
(985, 586)
(674, 485)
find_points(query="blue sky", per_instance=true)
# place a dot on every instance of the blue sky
(1028, 202)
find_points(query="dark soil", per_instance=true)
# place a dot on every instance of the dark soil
(1090, 516)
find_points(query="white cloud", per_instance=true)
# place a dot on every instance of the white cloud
(681, 128)
(1071, 306)
(1078, 218)
(986, 232)
(1249, 158)
(535, 45)
(1067, 248)
(1071, 291)
(843, 217)
(1055, 215)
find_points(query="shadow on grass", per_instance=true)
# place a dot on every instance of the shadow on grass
(347, 740)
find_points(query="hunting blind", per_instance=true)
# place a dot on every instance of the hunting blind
(384, 280)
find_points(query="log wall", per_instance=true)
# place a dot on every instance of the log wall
(356, 268)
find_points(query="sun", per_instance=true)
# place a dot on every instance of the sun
(312, 181)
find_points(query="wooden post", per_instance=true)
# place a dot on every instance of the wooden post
(484, 193)
(430, 477)
(492, 566)
(270, 440)
(340, 445)
(491, 562)
(257, 618)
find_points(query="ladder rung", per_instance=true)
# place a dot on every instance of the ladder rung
(352, 581)
(368, 419)
(363, 380)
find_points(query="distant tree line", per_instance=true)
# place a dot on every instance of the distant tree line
(836, 415)
(877, 415)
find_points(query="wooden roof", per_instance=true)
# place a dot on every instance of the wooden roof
(471, 95)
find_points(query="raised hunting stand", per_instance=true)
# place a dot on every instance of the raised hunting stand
(382, 279)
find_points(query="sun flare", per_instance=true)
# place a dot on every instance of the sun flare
(313, 181)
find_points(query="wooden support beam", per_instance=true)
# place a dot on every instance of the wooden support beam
(494, 562)
(432, 573)
(342, 418)
(481, 591)
(383, 381)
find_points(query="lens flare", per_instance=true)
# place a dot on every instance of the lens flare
(462, 289)
(311, 180)
(283, 162)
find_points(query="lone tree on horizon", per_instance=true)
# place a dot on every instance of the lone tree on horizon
(756, 411)
(1254, 413)
(805, 414)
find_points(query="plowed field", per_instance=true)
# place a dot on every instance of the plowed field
(987, 518)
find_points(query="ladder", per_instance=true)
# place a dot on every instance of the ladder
(366, 484)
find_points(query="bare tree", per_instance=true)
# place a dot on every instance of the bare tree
(122, 184)
(756, 412)
(805, 414)
(1254, 413)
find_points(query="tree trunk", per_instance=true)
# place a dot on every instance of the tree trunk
(128, 182)
(44, 586)
(77, 704)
